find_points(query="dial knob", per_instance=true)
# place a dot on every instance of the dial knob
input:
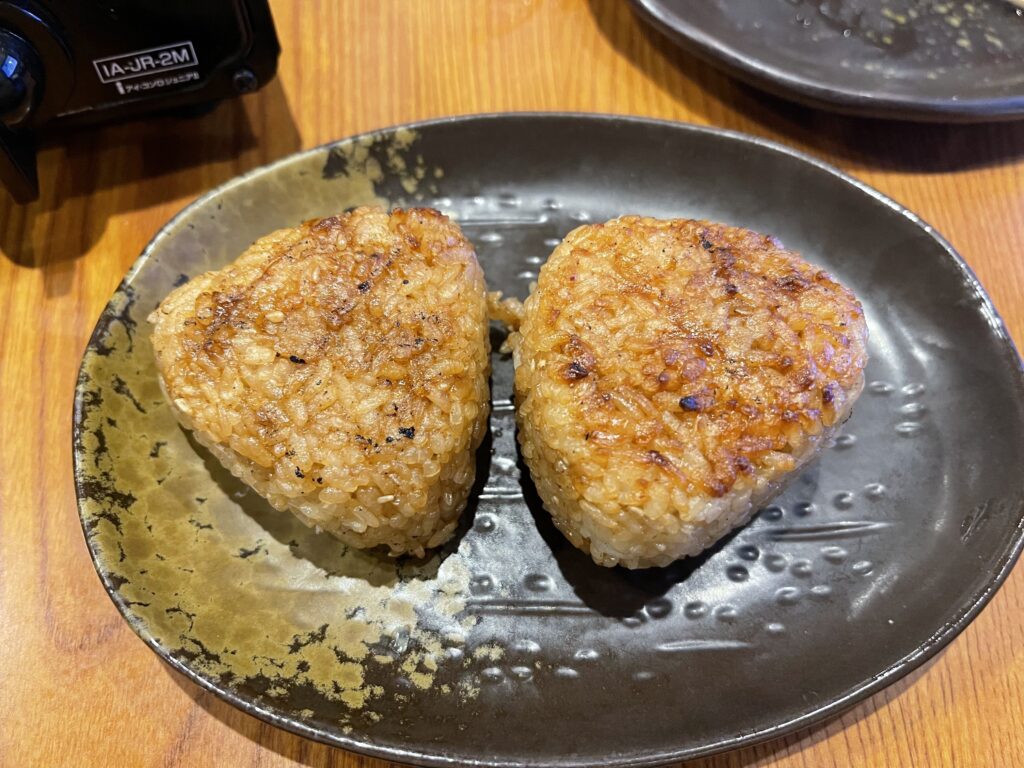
(21, 76)
(21, 88)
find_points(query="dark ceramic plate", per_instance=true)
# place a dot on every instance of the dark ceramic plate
(904, 59)
(510, 647)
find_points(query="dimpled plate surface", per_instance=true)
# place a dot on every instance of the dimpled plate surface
(906, 59)
(510, 647)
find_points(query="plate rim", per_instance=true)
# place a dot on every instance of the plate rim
(794, 87)
(924, 651)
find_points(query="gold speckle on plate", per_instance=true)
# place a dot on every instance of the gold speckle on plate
(244, 595)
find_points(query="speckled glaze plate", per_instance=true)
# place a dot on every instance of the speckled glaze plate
(510, 647)
(906, 59)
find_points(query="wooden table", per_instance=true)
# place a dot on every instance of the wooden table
(76, 685)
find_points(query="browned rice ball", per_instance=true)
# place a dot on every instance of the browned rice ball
(340, 369)
(671, 375)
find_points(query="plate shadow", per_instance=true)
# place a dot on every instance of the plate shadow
(325, 552)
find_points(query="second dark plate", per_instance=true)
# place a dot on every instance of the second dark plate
(903, 59)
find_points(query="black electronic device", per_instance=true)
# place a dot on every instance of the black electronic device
(70, 62)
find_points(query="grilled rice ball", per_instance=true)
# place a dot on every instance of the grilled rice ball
(340, 368)
(671, 375)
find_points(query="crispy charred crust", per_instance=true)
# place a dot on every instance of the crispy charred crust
(662, 461)
(581, 359)
(291, 296)
(718, 350)
(689, 403)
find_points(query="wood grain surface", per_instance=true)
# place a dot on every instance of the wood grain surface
(76, 685)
